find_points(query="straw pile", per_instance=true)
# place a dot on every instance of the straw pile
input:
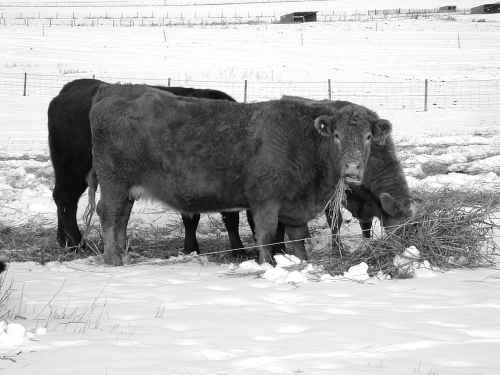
(450, 229)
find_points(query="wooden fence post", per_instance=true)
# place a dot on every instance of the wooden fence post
(168, 82)
(329, 89)
(25, 79)
(426, 94)
(245, 91)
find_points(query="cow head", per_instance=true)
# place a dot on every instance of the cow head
(353, 128)
(396, 212)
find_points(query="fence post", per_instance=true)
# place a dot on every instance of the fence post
(329, 89)
(25, 79)
(245, 91)
(93, 76)
(168, 82)
(426, 94)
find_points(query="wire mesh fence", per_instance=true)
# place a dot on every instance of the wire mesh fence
(187, 14)
(409, 95)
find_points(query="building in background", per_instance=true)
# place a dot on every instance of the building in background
(486, 8)
(448, 8)
(298, 17)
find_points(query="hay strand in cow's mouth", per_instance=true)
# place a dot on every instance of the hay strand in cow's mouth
(333, 208)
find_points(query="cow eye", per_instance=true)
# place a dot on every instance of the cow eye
(369, 137)
(336, 136)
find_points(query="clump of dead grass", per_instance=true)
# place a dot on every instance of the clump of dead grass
(450, 229)
(35, 241)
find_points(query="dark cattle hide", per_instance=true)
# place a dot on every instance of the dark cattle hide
(383, 192)
(282, 159)
(71, 155)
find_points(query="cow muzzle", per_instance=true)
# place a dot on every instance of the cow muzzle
(353, 173)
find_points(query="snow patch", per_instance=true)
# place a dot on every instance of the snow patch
(11, 335)
(359, 272)
(281, 274)
(410, 263)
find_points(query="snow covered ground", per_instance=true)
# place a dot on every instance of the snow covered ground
(191, 317)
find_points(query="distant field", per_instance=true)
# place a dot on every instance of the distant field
(380, 64)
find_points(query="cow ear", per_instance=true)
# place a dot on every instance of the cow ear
(389, 204)
(324, 126)
(381, 130)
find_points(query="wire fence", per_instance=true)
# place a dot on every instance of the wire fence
(189, 14)
(419, 95)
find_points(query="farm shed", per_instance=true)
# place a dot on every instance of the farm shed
(486, 8)
(298, 17)
(448, 8)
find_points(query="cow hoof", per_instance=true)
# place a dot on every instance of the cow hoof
(125, 259)
(113, 259)
(66, 241)
(266, 257)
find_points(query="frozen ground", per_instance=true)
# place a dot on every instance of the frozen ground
(190, 318)
(174, 317)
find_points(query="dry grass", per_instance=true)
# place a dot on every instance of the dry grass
(450, 229)
(7, 310)
(36, 241)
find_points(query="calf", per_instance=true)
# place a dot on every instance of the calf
(71, 155)
(281, 159)
(383, 192)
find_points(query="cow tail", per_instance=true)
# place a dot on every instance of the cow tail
(91, 206)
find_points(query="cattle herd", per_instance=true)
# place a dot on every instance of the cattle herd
(201, 151)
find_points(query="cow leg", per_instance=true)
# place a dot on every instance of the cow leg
(121, 228)
(251, 223)
(280, 234)
(297, 234)
(232, 222)
(266, 223)
(66, 195)
(190, 225)
(279, 240)
(113, 210)
(366, 227)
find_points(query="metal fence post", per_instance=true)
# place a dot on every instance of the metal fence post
(25, 79)
(426, 94)
(329, 89)
(245, 91)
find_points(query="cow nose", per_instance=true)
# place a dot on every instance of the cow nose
(352, 171)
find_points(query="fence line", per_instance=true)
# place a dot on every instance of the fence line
(191, 18)
(417, 95)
